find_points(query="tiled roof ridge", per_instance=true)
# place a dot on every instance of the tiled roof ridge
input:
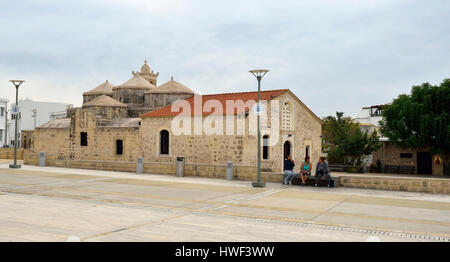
(246, 92)
(163, 110)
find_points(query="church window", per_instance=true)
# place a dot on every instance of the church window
(83, 139)
(265, 151)
(286, 116)
(164, 142)
(119, 147)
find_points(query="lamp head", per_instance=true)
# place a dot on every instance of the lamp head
(17, 83)
(259, 73)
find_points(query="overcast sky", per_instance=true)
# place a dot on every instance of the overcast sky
(334, 55)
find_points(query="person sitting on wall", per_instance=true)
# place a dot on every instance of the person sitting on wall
(322, 170)
(305, 170)
(288, 170)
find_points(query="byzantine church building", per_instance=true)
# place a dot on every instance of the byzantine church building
(117, 124)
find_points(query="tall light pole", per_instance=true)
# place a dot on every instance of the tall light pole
(16, 83)
(259, 73)
(34, 115)
(6, 125)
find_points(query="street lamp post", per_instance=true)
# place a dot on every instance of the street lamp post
(16, 83)
(6, 124)
(259, 73)
(34, 115)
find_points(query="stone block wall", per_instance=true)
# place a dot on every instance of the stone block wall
(390, 155)
(101, 141)
(430, 185)
(240, 149)
(8, 153)
(53, 141)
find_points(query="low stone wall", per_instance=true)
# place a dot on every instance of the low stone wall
(248, 173)
(419, 184)
(200, 170)
(8, 153)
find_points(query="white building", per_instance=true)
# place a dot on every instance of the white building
(32, 114)
(3, 122)
(369, 120)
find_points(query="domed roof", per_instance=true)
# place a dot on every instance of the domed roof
(172, 86)
(136, 82)
(104, 100)
(103, 89)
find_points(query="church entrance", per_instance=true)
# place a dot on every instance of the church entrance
(287, 149)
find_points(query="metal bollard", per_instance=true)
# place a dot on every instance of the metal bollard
(230, 170)
(180, 166)
(41, 158)
(140, 165)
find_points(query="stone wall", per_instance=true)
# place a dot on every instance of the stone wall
(90, 97)
(108, 112)
(27, 138)
(158, 100)
(53, 141)
(390, 155)
(8, 153)
(420, 184)
(239, 148)
(101, 141)
(212, 171)
(205, 154)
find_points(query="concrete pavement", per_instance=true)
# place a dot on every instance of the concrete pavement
(53, 204)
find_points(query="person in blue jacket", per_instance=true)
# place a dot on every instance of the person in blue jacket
(288, 170)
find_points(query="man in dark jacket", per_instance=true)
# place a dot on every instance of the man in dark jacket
(288, 170)
(322, 170)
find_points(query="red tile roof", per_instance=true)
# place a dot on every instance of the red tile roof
(222, 98)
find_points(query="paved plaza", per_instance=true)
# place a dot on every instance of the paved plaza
(57, 204)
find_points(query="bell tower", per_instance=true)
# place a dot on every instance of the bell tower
(148, 74)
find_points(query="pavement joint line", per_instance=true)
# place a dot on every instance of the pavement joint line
(134, 226)
(404, 235)
(329, 209)
(61, 183)
(251, 197)
(212, 204)
(229, 201)
(395, 233)
(240, 199)
(163, 178)
(276, 220)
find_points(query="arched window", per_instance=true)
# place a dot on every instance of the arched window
(164, 142)
(286, 116)
(287, 149)
(265, 151)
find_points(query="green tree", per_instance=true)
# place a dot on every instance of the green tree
(344, 140)
(420, 120)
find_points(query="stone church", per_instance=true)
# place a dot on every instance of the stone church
(117, 124)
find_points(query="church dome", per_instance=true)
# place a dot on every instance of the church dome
(136, 82)
(172, 87)
(103, 89)
(104, 101)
